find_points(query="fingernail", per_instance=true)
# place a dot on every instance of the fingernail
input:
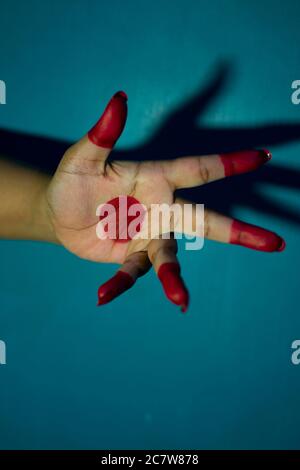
(114, 287)
(109, 127)
(255, 237)
(247, 160)
(121, 94)
(266, 154)
(184, 307)
(173, 285)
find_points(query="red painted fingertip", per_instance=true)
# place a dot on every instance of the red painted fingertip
(255, 237)
(121, 94)
(173, 285)
(114, 287)
(108, 129)
(241, 162)
(122, 206)
(282, 246)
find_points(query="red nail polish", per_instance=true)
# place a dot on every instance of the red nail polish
(282, 246)
(124, 223)
(121, 94)
(108, 129)
(175, 290)
(255, 237)
(114, 287)
(242, 162)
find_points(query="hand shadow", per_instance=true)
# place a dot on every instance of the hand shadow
(179, 135)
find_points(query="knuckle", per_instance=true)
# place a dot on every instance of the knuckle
(203, 172)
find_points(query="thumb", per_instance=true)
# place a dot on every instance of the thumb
(96, 145)
(108, 129)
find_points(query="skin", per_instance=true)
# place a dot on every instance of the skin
(62, 209)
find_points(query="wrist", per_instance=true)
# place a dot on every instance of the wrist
(41, 221)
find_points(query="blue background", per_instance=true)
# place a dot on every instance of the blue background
(136, 373)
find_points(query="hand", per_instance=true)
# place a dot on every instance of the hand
(85, 178)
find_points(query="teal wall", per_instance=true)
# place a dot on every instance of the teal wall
(137, 373)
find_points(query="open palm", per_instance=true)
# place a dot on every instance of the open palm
(86, 178)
